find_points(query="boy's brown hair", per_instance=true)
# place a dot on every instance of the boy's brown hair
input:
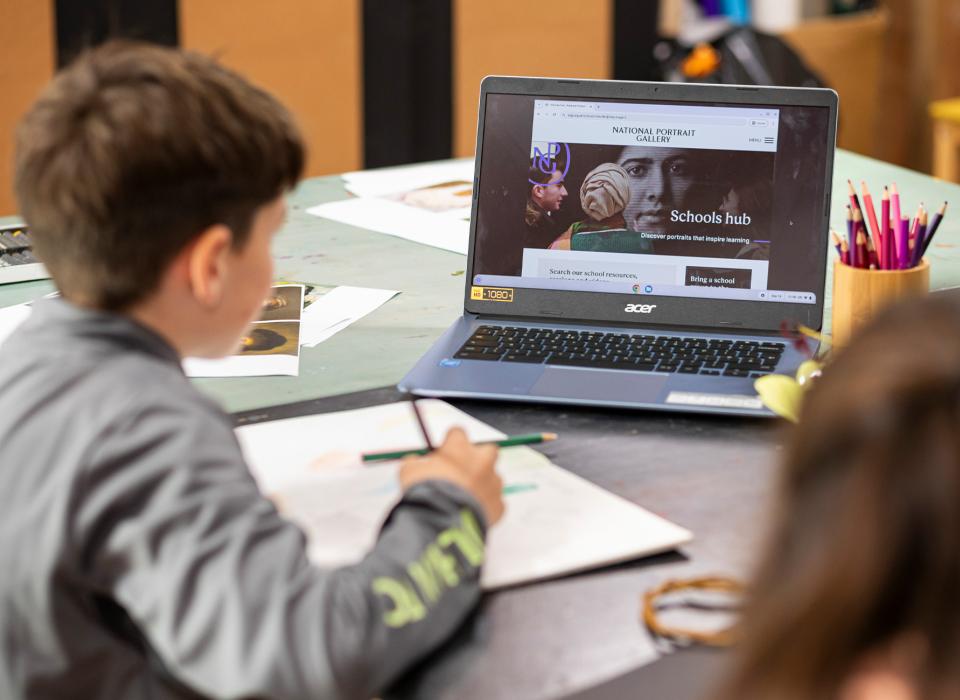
(133, 151)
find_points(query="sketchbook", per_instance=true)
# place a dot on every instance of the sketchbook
(555, 523)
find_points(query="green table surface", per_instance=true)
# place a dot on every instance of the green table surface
(379, 349)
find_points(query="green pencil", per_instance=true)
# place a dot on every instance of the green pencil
(512, 441)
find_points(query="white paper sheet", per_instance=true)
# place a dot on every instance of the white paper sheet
(387, 181)
(234, 366)
(11, 317)
(555, 523)
(428, 203)
(397, 219)
(324, 318)
(337, 309)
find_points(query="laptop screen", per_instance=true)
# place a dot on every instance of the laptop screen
(709, 201)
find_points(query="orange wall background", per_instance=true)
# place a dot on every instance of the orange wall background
(309, 53)
(559, 38)
(26, 34)
(306, 52)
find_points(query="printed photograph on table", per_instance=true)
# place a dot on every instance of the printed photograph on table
(277, 331)
(269, 347)
(272, 338)
(442, 197)
(283, 304)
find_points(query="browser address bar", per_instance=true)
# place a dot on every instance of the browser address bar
(665, 118)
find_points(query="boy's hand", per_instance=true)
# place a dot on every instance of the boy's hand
(468, 466)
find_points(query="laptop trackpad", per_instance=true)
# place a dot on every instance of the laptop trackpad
(599, 385)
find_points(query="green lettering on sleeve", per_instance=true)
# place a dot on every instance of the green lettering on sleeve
(407, 607)
(472, 528)
(467, 538)
(425, 579)
(435, 570)
(444, 564)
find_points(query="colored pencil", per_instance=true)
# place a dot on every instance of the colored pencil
(872, 257)
(895, 241)
(858, 226)
(918, 243)
(897, 216)
(912, 237)
(512, 441)
(894, 233)
(854, 200)
(836, 243)
(887, 232)
(858, 221)
(915, 224)
(863, 259)
(423, 426)
(903, 240)
(852, 238)
(934, 225)
(871, 213)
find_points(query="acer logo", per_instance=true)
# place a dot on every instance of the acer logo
(640, 308)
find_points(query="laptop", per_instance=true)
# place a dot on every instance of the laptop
(639, 245)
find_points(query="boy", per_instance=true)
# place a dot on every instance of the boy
(139, 559)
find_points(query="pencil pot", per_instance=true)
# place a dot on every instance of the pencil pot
(858, 294)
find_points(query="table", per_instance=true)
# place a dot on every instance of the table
(710, 474)
(713, 475)
(389, 341)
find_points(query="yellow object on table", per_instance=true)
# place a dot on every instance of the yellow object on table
(946, 138)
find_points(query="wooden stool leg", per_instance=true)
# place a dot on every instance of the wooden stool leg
(946, 151)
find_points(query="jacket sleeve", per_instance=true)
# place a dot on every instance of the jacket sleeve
(169, 524)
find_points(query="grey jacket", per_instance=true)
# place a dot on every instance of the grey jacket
(138, 558)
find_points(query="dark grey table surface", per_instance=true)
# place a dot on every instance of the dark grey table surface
(713, 475)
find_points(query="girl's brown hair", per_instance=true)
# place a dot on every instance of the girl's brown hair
(865, 551)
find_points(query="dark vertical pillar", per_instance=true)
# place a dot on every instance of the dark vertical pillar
(407, 81)
(634, 37)
(82, 24)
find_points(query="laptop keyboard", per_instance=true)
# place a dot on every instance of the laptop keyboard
(645, 353)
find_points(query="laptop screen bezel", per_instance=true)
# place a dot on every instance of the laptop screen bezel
(668, 312)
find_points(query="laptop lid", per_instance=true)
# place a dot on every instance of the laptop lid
(655, 204)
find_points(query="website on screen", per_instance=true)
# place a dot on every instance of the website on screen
(665, 199)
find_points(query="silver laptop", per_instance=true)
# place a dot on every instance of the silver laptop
(639, 245)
